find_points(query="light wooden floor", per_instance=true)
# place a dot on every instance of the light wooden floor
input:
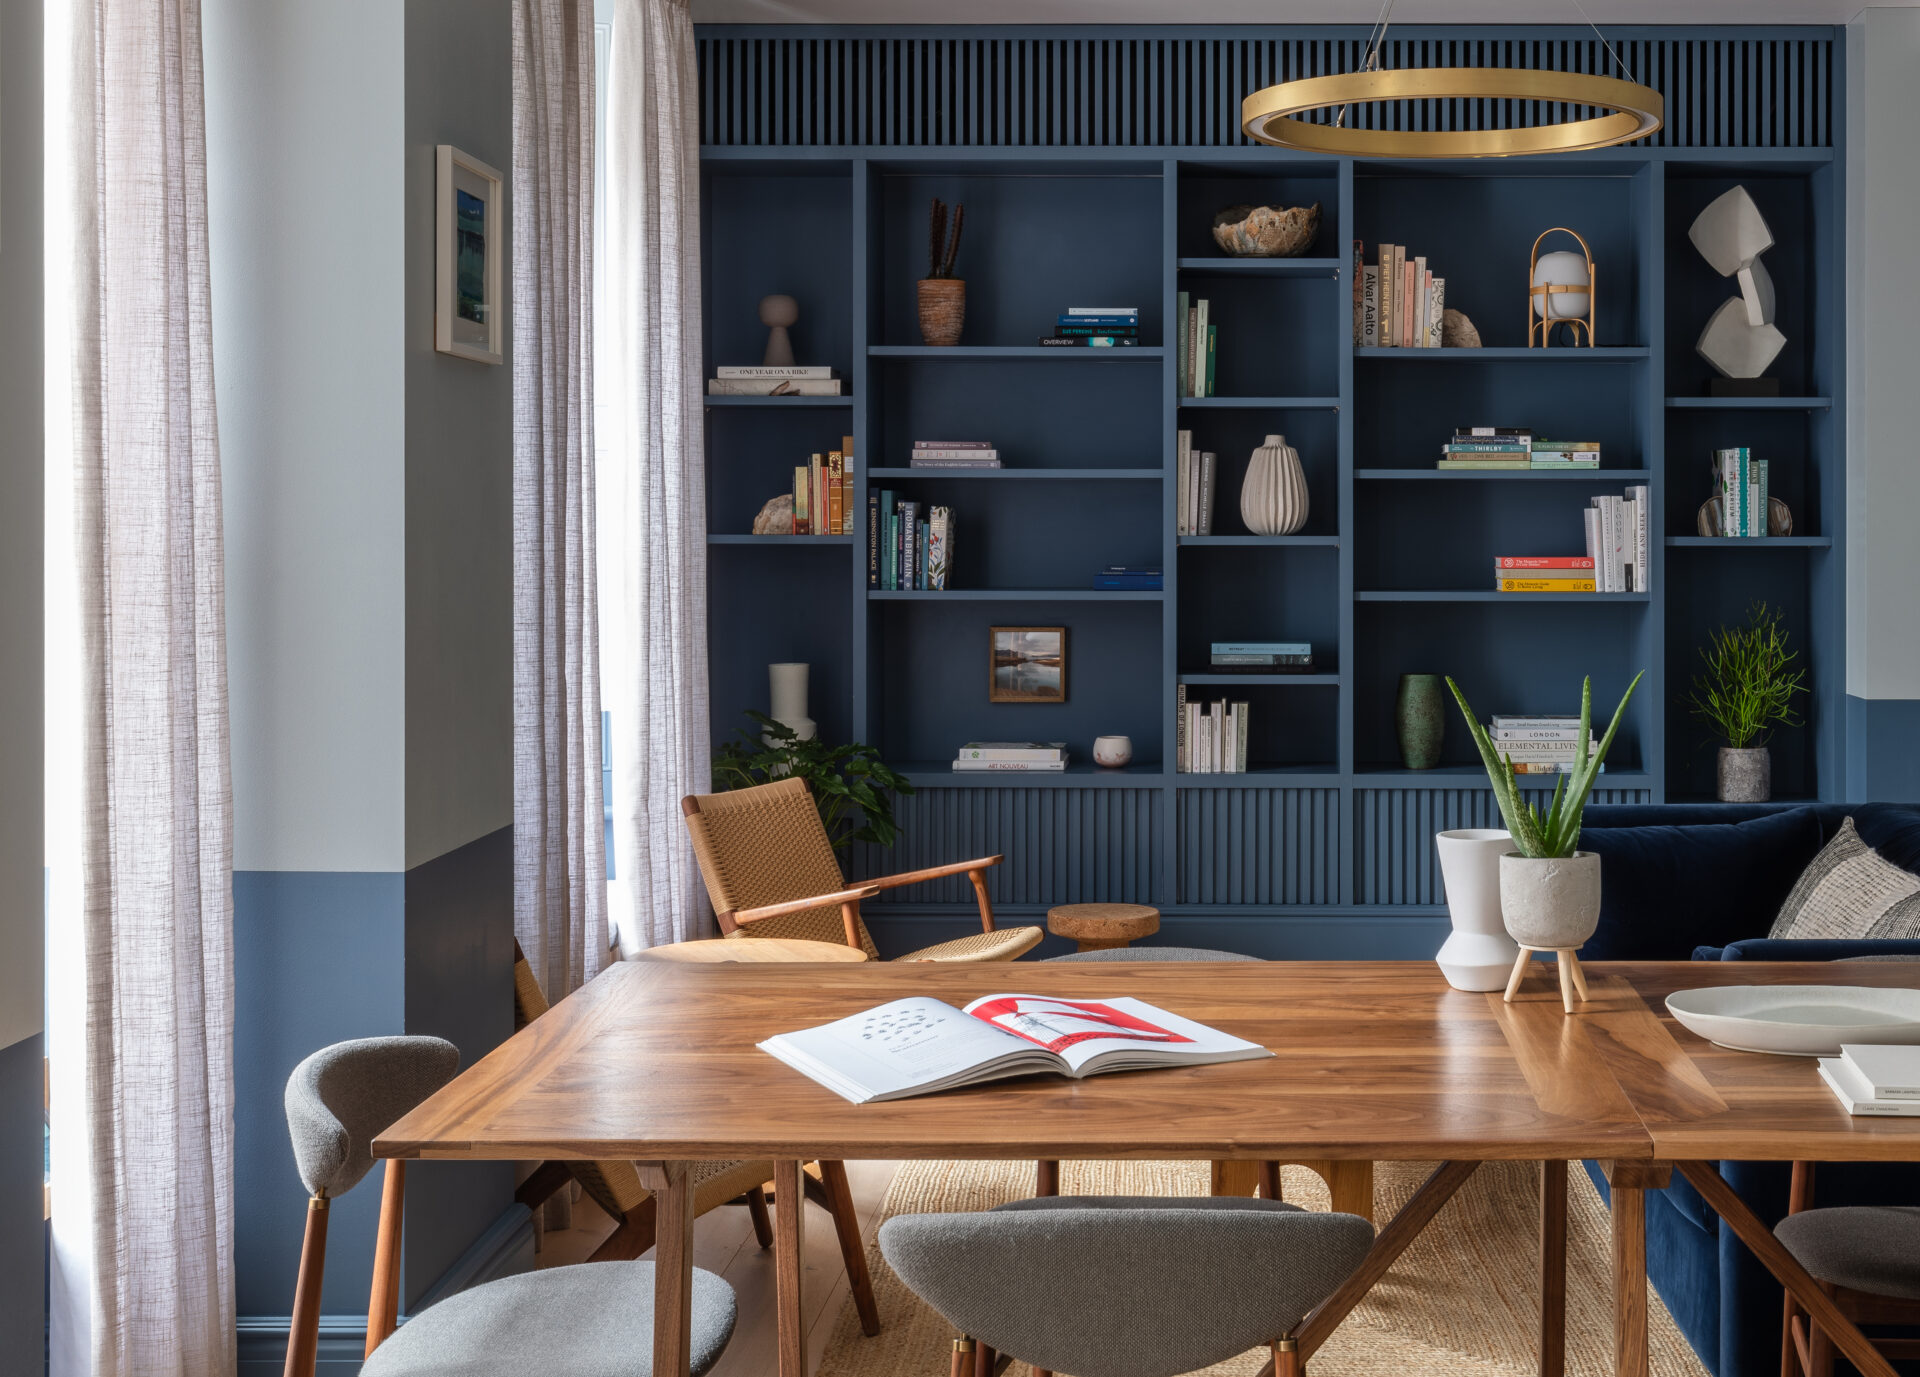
(723, 1243)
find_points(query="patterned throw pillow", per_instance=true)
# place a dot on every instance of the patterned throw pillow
(1850, 891)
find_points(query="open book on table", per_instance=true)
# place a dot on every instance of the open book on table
(916, 1046)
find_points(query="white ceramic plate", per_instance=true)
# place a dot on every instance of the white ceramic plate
(1798, 1020)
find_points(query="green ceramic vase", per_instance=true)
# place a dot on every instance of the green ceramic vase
(1420, 718)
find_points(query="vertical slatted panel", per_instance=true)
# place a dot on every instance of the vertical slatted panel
(1259, 846)
(1062, 845)
(1393, 852)
(1107, 88)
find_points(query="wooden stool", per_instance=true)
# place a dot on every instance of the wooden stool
(1101, 927)
(750, 949)
(1571, 976)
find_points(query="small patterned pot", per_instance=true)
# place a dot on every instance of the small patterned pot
(1112, 751)
(943, 309)
(1746, 776)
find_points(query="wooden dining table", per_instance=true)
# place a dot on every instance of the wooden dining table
(1376, 1061)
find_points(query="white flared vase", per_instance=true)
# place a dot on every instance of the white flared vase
(1479, 953)
(1273, 500)
(788, 689)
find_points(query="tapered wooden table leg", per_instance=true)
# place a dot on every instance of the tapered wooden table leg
(671, 1184)
(789, 1261)
(1629, 1183)
(1553, 1269)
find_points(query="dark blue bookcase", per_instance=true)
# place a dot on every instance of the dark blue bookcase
(1091, 162)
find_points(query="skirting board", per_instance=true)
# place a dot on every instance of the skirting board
(504, 1250)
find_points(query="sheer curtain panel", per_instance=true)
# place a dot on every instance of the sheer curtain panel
(652, 495)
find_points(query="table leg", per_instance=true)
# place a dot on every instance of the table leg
(1553, 1269)
(789, 1261)
(1629, 1183)
(671, 1184)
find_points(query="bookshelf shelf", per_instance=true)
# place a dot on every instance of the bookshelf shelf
(1750, 403)
(1319, 775)
(1488, 595)
(1280, 541)
(1279, 680)
(1258, 403)
(1261, 267)
(782, 403)
(1061, 475)
(819, 541)
(1696, 542)
(1016, 595)
(1562, 355)
(1602, 475)
(1475, 777)
(964, 353)
(939, 774)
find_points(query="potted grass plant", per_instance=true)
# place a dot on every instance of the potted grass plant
(852, 786)
(1549, 888)
(1745, 689)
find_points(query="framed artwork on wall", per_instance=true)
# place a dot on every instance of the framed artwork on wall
(469, 244)
(1027, 664)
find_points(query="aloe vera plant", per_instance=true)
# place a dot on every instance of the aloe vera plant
(1557, 834)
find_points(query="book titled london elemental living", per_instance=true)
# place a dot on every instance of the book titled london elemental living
(920, 1045)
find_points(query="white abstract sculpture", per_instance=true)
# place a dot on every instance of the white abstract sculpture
(1740, 339)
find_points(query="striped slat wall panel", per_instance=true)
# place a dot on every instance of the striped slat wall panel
(1259, 846)
(1393, 836)
(1062, 846)
(1118, 89)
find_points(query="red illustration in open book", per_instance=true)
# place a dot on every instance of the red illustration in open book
(1057, 1024)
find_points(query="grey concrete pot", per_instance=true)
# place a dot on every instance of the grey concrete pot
(1746, 775)
(1550, 903)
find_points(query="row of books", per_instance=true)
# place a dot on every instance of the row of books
(1015, 757)
(1195, 472)
(1120, 578)
(954, 454)
(823, 493)
(792, 380)
(1095, 327)
(1261, 657)
(1874, 1079)
(909, 545)
(1210, 738)
(1503, 448)
(1540, 745)
(1740, 482)
(1618, 558)
(1195, 346)
(1397, 301)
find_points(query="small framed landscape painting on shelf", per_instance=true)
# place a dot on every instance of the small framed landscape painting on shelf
(468, 246)
(1027, 664)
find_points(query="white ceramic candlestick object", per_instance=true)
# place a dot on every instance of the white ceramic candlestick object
(1479, 954)
(789, 692)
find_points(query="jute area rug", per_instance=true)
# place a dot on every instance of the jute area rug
(1463, 1301)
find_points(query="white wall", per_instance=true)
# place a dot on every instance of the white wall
(305, 184)
(1883, 354)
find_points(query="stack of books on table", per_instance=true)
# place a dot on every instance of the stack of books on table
(1620, 539)
(823, 493)
(1551, 455)
(1874, 1079)
(1487, 447)
(1262, 657)
(1740, 488)
(1397, 302)
(909, 545)
(1540, 745)
(1544, 574)
(1122, 578)
(1017, 757)
(1210, 738)
(1095, 327)
(793, 380)
(1195, 343)
(954, 454)
(1194, 471)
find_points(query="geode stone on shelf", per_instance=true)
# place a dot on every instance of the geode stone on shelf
(1267, 231)
(776, 516)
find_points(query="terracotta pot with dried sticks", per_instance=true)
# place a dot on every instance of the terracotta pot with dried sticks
(943, 297)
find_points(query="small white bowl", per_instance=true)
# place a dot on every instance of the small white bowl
(1798, 1020)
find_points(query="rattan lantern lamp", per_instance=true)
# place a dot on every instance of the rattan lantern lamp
(1560, 290)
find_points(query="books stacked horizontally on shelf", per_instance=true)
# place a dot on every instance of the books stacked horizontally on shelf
(1544, 574)
(1195, 472)
(1017, 757)
(1740, 487)
(909, 545)
(1262, 657)
(1095, 327)
(1874, 1079)
(1400, 301)
(1210, 738)
(823, 493)
(1540, 745)
(1487, 447)
(793, 380)
(1121, 578)
(954, 454)
(1195, 345)
(1565, 454)
(1620, 539)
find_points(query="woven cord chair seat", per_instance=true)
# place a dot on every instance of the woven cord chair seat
(1002, 944)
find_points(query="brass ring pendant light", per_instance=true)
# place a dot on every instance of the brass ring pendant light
(1270, 115)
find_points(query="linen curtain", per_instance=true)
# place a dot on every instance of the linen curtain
(560, 867)
(151, 1098)
(652, 491)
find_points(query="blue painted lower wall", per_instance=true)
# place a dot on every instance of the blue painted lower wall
(1331, 934)
(23, 1232)
(1883, 750)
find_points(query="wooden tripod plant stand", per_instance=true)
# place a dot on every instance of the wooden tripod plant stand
(1572, 978)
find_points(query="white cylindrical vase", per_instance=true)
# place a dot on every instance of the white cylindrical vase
(1478, 954)
(788, 685)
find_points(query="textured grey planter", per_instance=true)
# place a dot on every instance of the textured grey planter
(1550, 903)
(1746, 776)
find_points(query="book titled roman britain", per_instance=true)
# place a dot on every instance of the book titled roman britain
(920, 1045)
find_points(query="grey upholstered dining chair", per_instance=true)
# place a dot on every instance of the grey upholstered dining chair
(1125, 1286)
(589, 1320)
(1866, 1258)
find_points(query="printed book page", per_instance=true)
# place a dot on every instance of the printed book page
(907, 1047)
(1095, 1035)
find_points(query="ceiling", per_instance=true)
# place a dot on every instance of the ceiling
(1274, 11)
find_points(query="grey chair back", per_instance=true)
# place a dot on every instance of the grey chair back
(344, 1096)
(1154, 954)
(1126, 1286)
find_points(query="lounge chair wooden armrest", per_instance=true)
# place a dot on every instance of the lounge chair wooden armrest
(938, 872)
(847, 899)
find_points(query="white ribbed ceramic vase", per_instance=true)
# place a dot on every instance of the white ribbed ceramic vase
(1273, 500)
(1478, 954)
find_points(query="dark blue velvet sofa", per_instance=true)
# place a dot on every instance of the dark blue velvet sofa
(1705, 881)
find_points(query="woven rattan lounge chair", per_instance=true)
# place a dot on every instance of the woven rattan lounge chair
(771, 872)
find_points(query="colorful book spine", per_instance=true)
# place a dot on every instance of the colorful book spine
(1213, 338)
(873, 539)
(1180, 316)
(1436, 312)
(1387, 252)
(802, 491)
(1359, 275)
(1538, 585)
(1583, 562)
(836, 493)
(1370, 307)
(939, 547)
